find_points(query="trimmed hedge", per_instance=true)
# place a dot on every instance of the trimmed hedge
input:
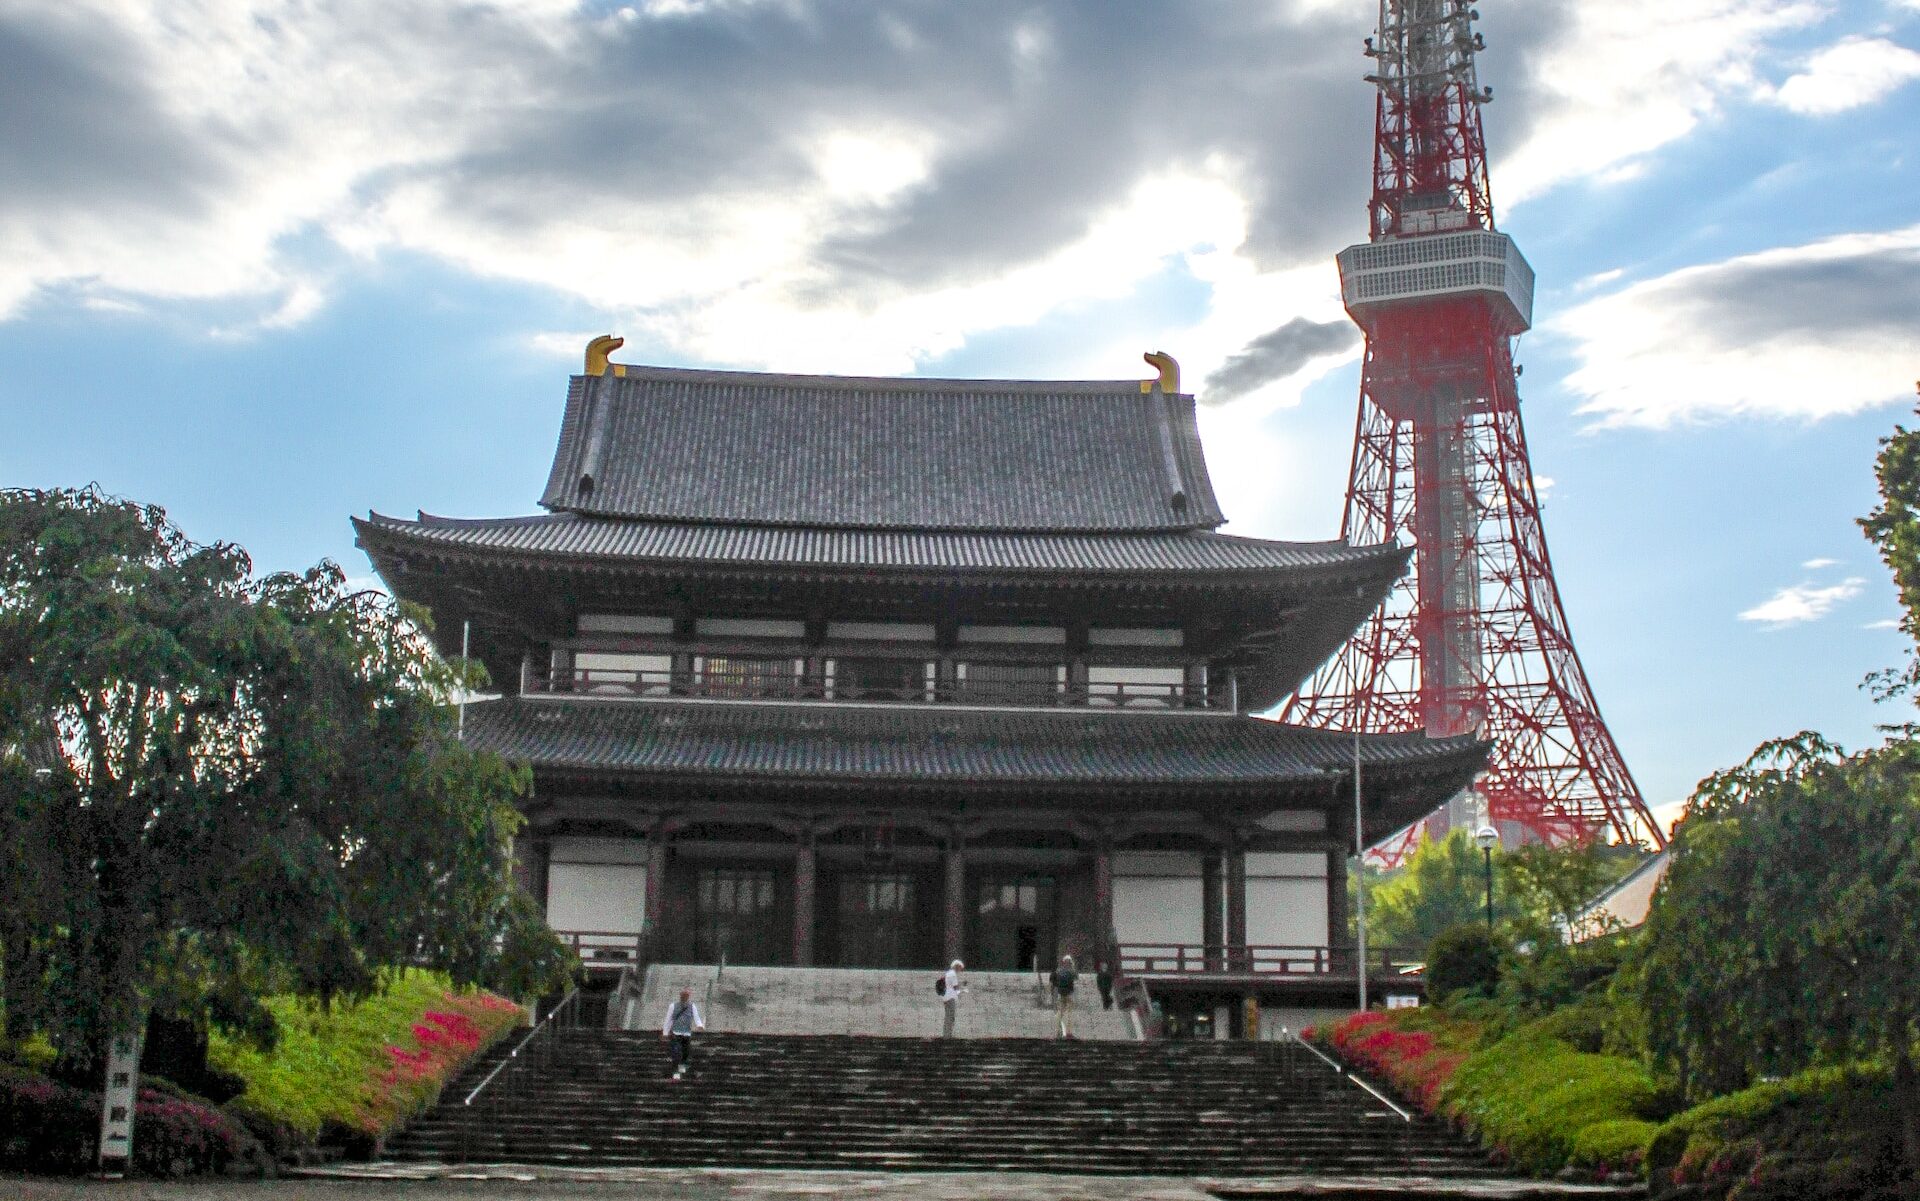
(354, 1073)
(1539, 1102)
(1829, 1132)
(51, 1128)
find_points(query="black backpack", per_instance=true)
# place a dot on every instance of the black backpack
(939, 986)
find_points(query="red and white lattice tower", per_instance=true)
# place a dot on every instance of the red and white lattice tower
(1474, 639)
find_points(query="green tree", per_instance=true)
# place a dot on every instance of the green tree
(1551, 886)
(1784, 934)
(1894, 528)
(250, 784)
(1442, 885)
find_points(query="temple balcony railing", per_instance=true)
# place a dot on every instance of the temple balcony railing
(734, 686)
(1196, 960)
(604, 947)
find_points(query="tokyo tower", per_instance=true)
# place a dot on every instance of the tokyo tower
(1474, 638)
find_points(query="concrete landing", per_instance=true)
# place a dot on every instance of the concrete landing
(888, 1003)
(419, 1182)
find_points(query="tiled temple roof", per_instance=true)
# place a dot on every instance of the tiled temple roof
(724, 447)
(934, 746)
(1169, 553)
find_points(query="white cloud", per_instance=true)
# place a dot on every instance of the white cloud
(687, 168)
(1885, 623)
(1623, 79)
(1543, 486)
(1819, 564)
(1851, 73)
(1803, 602)
(1801, 332)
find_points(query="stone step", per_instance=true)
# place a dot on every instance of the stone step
(757, 1100)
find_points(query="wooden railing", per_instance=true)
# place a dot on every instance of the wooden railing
(734, 685)
(1196, 959)
(603, 946)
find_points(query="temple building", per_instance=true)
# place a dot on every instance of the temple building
(815, 670)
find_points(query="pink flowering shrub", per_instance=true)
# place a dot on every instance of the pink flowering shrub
(1409, 1050)
(353, 1073)
(433, 1052)
(54, 1129)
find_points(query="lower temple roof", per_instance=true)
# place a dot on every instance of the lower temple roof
(568, 535)
(922, 745)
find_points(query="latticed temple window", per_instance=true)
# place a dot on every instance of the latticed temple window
(1012, 683)
(737, 676)
(882, 679)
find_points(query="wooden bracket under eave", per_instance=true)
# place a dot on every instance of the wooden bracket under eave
(1169, 369)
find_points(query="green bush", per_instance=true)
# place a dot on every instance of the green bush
(1616, 1145)
(355, 1072)
(52, 1128)
(1463, 959)
(1534, 1097)
(1582, 1026)
(1529, 1095)
(1827, 1132)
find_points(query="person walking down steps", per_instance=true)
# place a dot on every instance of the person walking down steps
(683, 1018)
(1103, 976)
(950, 990)
(1064, 978)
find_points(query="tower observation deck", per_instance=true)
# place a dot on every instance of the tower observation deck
(1474, 640)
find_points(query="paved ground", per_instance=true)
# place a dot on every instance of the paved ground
(385, 1182)
(900, 1004)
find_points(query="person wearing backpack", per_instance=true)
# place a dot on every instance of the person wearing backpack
(948, 986)
(683, 1018)
(1064, 978)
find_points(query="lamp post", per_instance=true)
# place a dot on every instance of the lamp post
(1487, 837)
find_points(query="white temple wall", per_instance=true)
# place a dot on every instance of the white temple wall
(1157, 897)
(597, 884)
(1286, 899)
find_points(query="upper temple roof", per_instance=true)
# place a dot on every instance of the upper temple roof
(908, 454)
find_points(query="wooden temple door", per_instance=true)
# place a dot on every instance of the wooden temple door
(878, 918)
(734, 917)
(1015, 923)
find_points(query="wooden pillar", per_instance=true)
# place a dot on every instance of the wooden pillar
(656, 890)
(1337, 935)
(803, 878)
(1103, 933)
(1237, 901)
(955, 910)
(1211, 932)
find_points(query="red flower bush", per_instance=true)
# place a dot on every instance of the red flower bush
(1410, 1059)
(444, 1040)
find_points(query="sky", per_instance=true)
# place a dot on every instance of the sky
(271, 264)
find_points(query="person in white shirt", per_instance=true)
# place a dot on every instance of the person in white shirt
(683, 1018)
(950, 999)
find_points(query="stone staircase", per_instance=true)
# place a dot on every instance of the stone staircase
(894, 1004)
(1006, 1104)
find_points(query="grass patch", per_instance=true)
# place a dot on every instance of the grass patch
(358, 1071)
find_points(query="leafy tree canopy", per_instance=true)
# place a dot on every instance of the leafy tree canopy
(1441, 885)
(213, 785)
(1784, 935)
(1894, 528)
